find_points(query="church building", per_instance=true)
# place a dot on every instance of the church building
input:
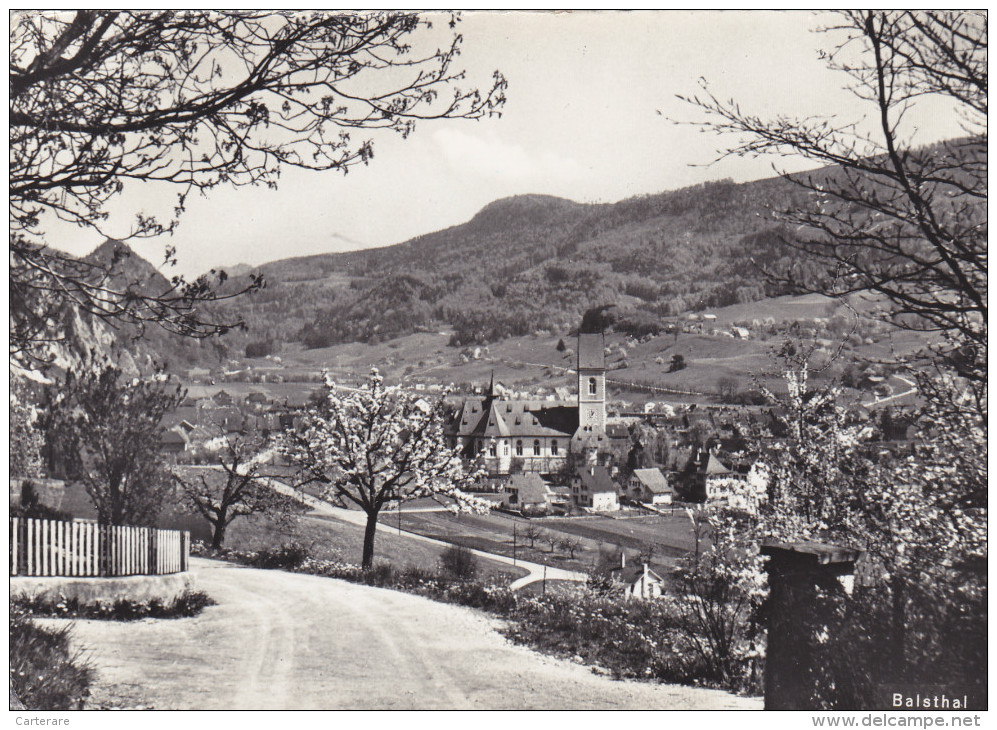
(537, 436)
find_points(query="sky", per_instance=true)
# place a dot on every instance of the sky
(590, 116)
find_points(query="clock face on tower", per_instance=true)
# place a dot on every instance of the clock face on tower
(591, 416)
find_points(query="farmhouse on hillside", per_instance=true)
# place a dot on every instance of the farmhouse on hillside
(512, 436)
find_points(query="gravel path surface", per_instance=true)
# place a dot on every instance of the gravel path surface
(288, 641)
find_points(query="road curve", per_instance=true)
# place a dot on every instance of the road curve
(280, 640)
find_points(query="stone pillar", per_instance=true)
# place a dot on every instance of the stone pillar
(795, 572)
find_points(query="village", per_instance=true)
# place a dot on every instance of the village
(601, 480)
(643, 367)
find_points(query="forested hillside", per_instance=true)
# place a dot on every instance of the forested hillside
(523, 264)
(533, 263)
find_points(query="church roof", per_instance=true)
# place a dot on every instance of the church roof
(497, 418)
(589, 439)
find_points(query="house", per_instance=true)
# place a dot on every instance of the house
(174, 441)
(222, 398)
(741, 332)
(642, 583)
(297, 401)
(708, 477)
(528, 493)
(592, 487)
(535, 435)
(228, 418)
(257, 398)
(650, 487)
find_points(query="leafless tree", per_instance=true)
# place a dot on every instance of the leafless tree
(532, 533)
(194, 99)
(570, 544)
(885, 215)
(727, 388)
(235, 486)
(647, 551)
(552, 539)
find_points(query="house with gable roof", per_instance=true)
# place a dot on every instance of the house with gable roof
(709, 479)
(592, 487)
(530, 494)
(642, 583)
(649, 486)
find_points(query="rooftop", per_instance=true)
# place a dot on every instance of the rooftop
(591, 351)
(654, 480)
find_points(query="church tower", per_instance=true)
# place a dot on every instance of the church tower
(591, 382)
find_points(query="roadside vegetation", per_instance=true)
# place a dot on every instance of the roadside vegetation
(45, 674)
(188, 603)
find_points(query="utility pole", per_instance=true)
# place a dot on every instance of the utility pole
(544, 586)
(514, 543)
(399, 517)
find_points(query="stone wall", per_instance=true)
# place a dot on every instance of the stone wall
(89, 590)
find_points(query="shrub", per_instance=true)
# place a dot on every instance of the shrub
(32, 506)
(458, 563)
(44, 673)
(260, 348)
(380, 575)
(285, 557)
(189, 603)
(413, 575)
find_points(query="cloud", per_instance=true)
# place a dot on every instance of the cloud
(489, 156)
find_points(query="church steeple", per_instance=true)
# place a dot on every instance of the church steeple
(490, 394)
(591, 382)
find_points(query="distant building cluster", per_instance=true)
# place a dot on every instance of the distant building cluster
(200, 425)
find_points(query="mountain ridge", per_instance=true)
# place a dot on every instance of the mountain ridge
(532, 262)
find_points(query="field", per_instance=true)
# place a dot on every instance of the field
(276, 391)
(328, 538)
(669, 537)
(532, 363)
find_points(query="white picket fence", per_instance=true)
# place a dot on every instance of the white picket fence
(59, 548)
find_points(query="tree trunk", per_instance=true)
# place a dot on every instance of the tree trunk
(899, 621)
(368, 541)
(218, 535)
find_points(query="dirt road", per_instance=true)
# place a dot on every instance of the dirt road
(286, 641)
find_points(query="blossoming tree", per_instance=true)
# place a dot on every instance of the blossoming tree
(377, 445)
(917, 510)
